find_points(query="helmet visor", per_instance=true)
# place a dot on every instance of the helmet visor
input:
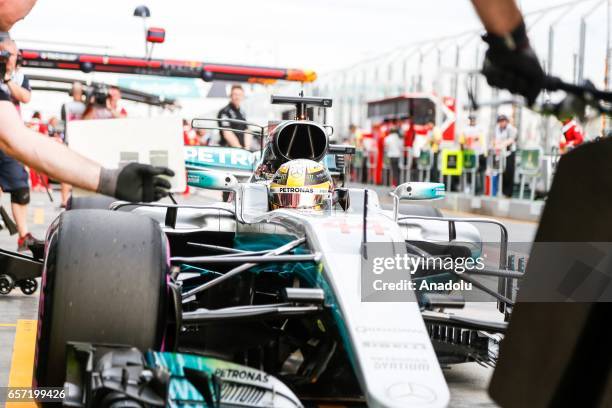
(315, 200)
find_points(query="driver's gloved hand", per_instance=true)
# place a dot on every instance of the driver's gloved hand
(135, 182)
(510, 63)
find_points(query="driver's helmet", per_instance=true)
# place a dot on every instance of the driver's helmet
(303, 184)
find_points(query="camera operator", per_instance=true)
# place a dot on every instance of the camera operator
(14, 177)
(133, 182)
(99, 104)
(14, 82)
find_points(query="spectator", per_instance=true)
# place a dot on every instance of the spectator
(434, 139)
(13, 175)
(114, 94)
(38, 181)
(504, 143)
(232, 110)
(189, 135)
(394, 145)
(472, 138)
(572, 135)
(202, 137)
(74, 109)
(355, 136)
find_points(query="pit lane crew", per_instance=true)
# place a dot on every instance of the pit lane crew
(572, 135)
(133, 182)
(301, 184)
(14, 178)
(232, 111)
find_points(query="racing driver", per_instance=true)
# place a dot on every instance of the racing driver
(301, 184)
(510, 63)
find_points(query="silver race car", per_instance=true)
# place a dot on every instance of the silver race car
(262, 299)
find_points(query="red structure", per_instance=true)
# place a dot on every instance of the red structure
(414, 113)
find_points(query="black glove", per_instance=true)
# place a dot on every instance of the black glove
(135, 182)
(510, 63)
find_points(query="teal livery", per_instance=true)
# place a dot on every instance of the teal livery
(224, 158)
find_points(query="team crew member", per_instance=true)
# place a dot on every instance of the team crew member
(394, 145)
(504, 142)
(232, 111)
(473, 138)
(572, 135)
(74, 109)
(14, 178)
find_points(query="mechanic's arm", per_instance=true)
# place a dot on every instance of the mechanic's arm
(499, 16)
(231, 138)
(21, 94)
(510, 62)
(134, 182)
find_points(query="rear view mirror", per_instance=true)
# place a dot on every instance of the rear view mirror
(212, 180)
(416, 191)
(342, 198)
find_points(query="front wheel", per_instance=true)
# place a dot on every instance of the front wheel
(105, 281)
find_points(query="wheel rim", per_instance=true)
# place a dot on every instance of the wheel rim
(5, 286)
(29, 286)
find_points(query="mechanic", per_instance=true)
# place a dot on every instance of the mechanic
(394, 146)
(572, 135)
(232, 111)
(472, 137)
(133, 182)
(510, 62)
(14, 178)
(504, 143)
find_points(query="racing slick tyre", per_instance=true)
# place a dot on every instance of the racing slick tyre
(94, 202)
(104, 282)
(420, 210)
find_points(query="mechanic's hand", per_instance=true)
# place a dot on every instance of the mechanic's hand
(135, 182)
(510, 63)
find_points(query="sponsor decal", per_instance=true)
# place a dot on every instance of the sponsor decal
(59, 56)
(400, 364)
(411, 394)
(244, 375)
(219, 157)
(372, 329)
(398, 345)
(346, 228)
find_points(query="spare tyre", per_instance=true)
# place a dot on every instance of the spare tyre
(105, 281)
(90, 202)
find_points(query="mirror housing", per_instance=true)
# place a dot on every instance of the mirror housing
(212, 180)
(342, 197)
(416, 191)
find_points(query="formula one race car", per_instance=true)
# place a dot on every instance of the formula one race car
(258, 301)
